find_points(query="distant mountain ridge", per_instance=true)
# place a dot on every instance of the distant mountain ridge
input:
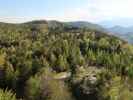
(125, 33)
(124, 22)
(83, 24)
(76, 24)
(121, 30)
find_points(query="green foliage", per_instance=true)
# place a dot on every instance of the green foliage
(44, 86)
(33, 54)
(33, 88)
(61, 64)
(116, 89)
(7, 95)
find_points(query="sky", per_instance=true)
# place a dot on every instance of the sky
(65, 10)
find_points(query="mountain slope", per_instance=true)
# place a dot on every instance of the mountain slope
(125, 33)
(121, 30)
(82, 24)
(42, 60)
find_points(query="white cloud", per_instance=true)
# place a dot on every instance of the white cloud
(93, 10)
(76, 14)
(99, 10)
(109, 9)
(15, 19)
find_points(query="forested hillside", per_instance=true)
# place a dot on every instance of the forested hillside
(43, 60)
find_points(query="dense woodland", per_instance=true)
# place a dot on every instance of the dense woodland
(43, 60)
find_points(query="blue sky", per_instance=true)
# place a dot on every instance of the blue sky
(64, 10)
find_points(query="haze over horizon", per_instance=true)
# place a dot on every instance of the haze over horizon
(71, 10)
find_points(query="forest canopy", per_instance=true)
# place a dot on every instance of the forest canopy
(43, 60)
